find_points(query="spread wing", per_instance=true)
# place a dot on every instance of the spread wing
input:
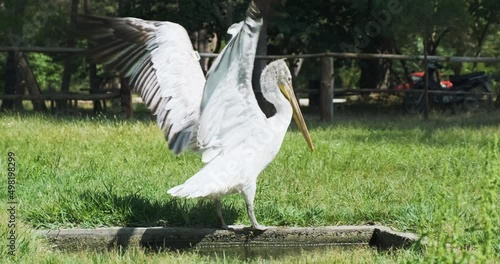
(229, 109)
(159, 60)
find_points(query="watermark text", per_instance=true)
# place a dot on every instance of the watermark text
(11, 203)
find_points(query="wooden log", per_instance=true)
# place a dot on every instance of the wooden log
(31, 83)
(326, 90)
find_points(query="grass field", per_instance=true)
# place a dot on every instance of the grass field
(439, 178)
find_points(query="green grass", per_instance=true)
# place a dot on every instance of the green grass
(439, 178)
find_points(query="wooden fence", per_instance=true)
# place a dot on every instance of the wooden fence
(327, 85)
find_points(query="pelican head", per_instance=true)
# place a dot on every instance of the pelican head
(277, 71)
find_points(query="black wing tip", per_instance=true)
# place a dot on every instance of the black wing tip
(180, 142)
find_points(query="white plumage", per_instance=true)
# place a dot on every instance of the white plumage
(219, 117)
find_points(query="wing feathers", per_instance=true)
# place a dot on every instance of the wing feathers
(156, 57)
(229, 108)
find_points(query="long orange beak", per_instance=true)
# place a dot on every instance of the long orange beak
(287, 89)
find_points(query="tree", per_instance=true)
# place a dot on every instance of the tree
(13, 12)
(69, 62)
(449, 27)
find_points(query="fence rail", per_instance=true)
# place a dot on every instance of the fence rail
(43, 50)
(63, 96)
(327, 85)
(390, 91)
(338, 55)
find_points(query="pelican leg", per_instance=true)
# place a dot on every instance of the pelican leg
(249, 195)
(218, 206)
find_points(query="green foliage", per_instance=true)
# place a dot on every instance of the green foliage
(348, 75)
(452, 27)
(301, 26)
(47, 72)
(446, 238)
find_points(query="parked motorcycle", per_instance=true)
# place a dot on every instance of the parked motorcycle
(470, 91)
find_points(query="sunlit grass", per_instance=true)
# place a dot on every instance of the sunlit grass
(435, 178)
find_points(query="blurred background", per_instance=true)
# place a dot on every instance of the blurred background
(468, 28)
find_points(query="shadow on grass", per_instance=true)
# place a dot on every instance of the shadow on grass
(107, 208)
(137, 211)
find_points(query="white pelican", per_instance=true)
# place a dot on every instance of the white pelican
(219, 117)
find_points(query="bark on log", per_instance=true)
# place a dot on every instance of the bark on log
(30, 82)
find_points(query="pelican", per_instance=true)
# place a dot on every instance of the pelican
(217, 116)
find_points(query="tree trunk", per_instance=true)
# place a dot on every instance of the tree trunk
(426, 79)
(126, 98)
(370, 69)
(10, 80)
(229, 13)
(370, 74)
(122, 8)
(296, 66)
(326, 89)
(93, 79)
(202, 40)
(482, 37)
(20, 84)
(11, 66)
(68, 62)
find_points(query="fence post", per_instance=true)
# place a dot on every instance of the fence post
(126, 98)
(326, 89)
(426, 80)
(497, 102)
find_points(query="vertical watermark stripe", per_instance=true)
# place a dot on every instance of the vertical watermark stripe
(11, 203)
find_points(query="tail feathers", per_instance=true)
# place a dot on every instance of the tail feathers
(202, 185)
(191, 191)
(180, 191)
(217, 178)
